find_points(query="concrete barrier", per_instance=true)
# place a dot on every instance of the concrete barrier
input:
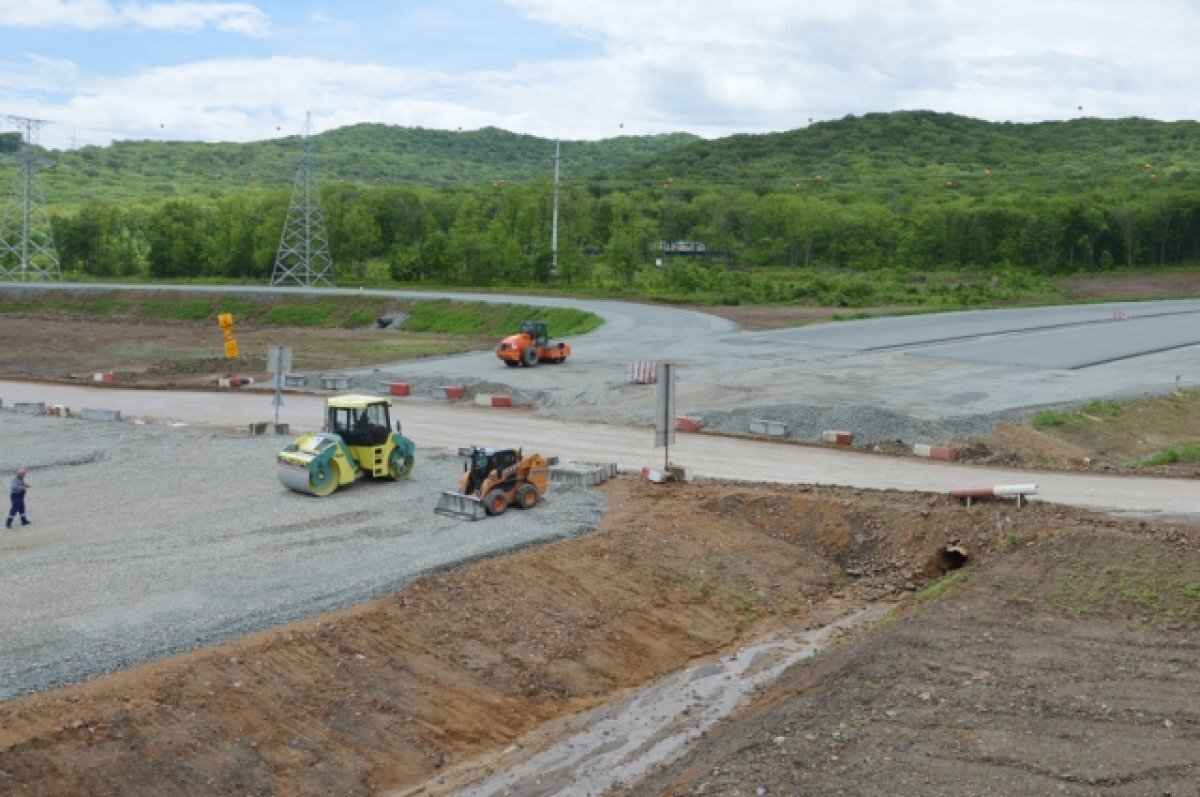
(394, 388)
(30, 407)
(89, 414)
(582, 474)
(772, 428)
(1018, 491)
(489, 400)
(258, 428)
(295, 380)
(335, 382)
(281, 428)
(945, 453)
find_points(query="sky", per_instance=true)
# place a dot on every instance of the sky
(95, 71)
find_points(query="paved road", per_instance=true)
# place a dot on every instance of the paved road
(451, 427)
(940, 366)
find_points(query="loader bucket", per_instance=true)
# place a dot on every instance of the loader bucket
(464, 507)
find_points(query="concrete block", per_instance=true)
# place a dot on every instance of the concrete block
(394, 388)
(89, 414)
(281, 428)
(583, 474)
(335, 382)
(30, 407)
(294, 380)
(772, 428)
(258, 428)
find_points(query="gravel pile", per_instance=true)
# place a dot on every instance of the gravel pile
(149, 541)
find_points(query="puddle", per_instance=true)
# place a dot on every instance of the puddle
(616, 744)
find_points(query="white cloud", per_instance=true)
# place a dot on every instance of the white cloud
(711, 67)
(240, 18)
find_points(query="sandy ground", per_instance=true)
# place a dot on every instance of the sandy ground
(1061, 657)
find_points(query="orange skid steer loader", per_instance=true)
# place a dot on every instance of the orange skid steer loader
(494, 479)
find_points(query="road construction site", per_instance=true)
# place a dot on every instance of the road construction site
(262, 641)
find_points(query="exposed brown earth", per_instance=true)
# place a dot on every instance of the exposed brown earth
(1063, 657)
(409, 692)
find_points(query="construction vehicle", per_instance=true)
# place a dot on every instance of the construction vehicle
(531, 345)
(494, 479)
(357, 443)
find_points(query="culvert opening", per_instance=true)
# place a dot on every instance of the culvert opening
(951, 558)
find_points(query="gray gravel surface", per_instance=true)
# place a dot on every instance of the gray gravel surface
(151, 540)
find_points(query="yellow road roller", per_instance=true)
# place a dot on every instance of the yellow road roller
(357, 442)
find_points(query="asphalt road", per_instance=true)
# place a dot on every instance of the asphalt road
(936, 366)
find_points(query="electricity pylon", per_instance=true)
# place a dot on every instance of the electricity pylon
(303, 257)
(27, 251)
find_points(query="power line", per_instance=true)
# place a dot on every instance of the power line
(303, 258)
(27, 251)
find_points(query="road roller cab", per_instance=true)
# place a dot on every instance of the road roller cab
(357, 442)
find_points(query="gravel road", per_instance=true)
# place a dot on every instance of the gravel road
(230, 550)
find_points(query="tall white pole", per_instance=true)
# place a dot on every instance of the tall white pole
(554, 217)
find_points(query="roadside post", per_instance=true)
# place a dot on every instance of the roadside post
(664, 413)
(279, 362)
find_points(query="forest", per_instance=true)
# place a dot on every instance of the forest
(862, 210)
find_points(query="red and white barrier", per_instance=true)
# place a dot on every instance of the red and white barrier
(235, 381)
(394, 388)
(643, 373)
(488, 400)
(104, 376)
(837, 437)
(450, 392)
(1017, 491)
(684, 423)
(945, 453)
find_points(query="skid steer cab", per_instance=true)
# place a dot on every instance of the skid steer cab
(357, 443)
(531, 345)
(493, 479)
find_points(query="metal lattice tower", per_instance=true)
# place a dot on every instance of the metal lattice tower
(303, 257)
(27, 251)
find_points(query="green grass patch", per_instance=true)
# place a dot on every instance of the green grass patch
(315, 315)
(1140, 588)
(939, 588)
(1092, 412)
(447, 317)
(188, 310)
(1185, 453)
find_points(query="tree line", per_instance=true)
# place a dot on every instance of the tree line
(908, 192)
(497, 235)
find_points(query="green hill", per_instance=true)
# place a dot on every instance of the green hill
(369, 154)
(827, 214)
(878, 153)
